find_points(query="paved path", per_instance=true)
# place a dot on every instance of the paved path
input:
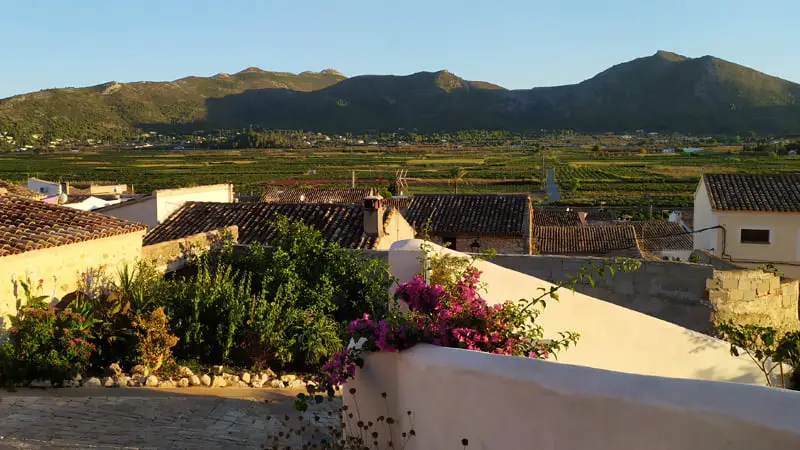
(138, 418)
(553, 193)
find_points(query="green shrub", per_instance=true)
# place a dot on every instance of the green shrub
(46, 343)
(207, 310)
(319, 274)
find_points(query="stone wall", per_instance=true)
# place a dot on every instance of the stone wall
(173, 255)
(754, 297)
(60, 268)
(509, 245)
(671, 291)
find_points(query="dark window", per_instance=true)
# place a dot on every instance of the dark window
(750, 236)
(449, 242)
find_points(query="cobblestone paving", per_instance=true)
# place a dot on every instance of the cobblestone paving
(145, 418)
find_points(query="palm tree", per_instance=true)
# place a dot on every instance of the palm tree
(458, 175)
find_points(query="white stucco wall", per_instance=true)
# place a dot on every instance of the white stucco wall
(170, 200)
(396, 229)
(140, 210)
(502, 402)
(783, 249)
(703, 218)
(44, 187)
(154, 209)
(612, 337)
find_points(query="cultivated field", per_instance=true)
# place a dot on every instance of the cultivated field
(625, 179)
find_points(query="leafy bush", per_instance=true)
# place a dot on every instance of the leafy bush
(207, 310)
(319, 274)
(46, 343)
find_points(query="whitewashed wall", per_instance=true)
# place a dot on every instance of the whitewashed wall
(612, 337)
(503, 402)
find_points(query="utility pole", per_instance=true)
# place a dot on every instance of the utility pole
(353, 180)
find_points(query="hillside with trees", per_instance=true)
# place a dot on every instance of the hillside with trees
(664, 92)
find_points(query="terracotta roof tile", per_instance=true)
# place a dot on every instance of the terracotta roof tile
(341, 196)
(555, 217)
(27, 224)
(584, 239)
(22, 191)
(743, 192)
(333, 196)
(658, 235)
(500, 214)
(343, 224)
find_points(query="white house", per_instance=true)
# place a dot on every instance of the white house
(46, 187)
(153, 209)
(750, 220)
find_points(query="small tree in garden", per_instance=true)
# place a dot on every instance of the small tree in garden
(764, 347)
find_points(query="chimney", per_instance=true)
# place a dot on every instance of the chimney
(373, 215)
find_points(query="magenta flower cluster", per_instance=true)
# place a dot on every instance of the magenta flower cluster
(457, 317)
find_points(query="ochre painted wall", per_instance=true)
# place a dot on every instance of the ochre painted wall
(60, 268)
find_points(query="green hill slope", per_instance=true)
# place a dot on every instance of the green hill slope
(663, 92)
(114, 109)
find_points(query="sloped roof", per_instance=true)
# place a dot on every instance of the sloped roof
(490, 214)
(20, 190)
(344, 196)
(555, 217)
(747, 192)
(27, 224)
(584, 239)
(658, 235)
(342, 224)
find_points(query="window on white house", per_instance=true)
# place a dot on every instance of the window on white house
(751, 236)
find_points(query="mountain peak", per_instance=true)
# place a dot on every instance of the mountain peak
(333, 72)
(670, 56)
(253, 69)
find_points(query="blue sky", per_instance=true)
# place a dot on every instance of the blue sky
(515, 43)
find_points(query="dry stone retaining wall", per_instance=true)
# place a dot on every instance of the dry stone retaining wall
(754, 297)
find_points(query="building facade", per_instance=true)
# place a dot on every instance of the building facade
(750, 220)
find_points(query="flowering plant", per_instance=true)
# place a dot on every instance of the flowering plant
(46, 343)
(456, 317)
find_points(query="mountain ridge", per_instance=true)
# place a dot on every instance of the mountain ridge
(664, 91)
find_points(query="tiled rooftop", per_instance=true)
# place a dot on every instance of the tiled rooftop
(490, 214)
(584, 239)
(343, 224)
(343, 196)
(658, 235)
(22, 191)
(543, 217)
(744, 192)
(27, 224)
(334, 196)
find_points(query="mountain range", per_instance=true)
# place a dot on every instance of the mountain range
(663, 92)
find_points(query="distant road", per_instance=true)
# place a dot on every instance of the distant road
(553, 194)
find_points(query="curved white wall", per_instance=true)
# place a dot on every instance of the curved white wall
(612, 337)
(503, 402)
